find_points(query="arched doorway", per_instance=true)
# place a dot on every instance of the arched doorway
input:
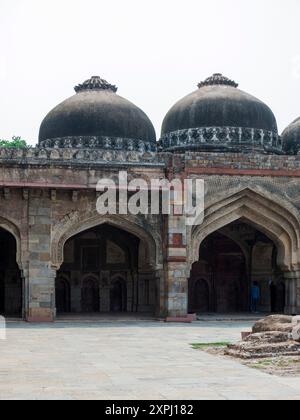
(108, 271)
(223, 263)
(277, 296)
(62, 296)
(273, 297)
(200, 296)
(90, 299)
(231, 260)
(11, 286)
(118, 296)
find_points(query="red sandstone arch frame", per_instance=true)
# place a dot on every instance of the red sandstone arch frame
(275, 218)
(77, 223)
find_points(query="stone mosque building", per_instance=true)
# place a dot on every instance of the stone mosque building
(59, 256)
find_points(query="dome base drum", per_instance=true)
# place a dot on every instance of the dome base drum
(221, 138)
(104, 143)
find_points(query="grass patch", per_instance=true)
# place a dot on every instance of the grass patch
(203, 346)
(276, 363)
(263, 364)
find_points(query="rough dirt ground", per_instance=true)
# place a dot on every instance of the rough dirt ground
(278, 366)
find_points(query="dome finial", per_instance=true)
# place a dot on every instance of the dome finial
(218, 79)
(95, 83)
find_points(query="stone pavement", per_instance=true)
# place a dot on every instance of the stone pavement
(134, 360)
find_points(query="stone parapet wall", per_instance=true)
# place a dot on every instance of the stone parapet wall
(178, 162)
(238, 161)
(52, 156)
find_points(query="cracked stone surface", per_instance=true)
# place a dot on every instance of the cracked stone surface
(130, 360)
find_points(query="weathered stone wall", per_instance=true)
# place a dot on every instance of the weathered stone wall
(44, 204)
(48, 196)
(239, 161)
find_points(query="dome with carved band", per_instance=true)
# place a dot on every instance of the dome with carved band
(219, 117)
(291, 138)
(96, 117)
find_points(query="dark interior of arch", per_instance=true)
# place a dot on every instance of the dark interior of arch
(231, 260)
(10, 277)
(103, 273)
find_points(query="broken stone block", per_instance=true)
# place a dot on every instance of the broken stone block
(281, 323)
(296, 333)
(276, 335)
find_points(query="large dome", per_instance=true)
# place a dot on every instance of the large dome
(291, 138)
(219, 116)
(96, 114)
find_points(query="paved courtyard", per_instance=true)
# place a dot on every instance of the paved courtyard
(129, 360)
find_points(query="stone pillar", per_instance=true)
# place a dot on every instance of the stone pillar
(105, 299)
(292, 283)
(136, 297)
(130, 293)
(147, 291)
(75, 285)
(41, 276)
(161, 309)
(176, 270)
(25, 285)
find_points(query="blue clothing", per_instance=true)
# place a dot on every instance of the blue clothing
(255, 293)
(255, 297)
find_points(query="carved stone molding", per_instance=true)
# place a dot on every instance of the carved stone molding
(107, 143)
(82, 155)
(220, 138)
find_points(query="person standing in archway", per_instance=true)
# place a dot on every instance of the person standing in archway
(255, 297)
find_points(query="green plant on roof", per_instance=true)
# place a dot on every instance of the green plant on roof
(14, 143)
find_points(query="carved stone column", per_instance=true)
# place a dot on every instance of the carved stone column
(292, 282)
(176, 270)
(41, 275)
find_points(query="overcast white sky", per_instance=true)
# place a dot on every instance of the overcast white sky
(154, 51)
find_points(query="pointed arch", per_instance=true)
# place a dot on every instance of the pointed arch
(118, 294)
(12, 228)
(90, 295)
(277, 222)
(14, 303)
(199, 296)
(77, 223)
(63, 294)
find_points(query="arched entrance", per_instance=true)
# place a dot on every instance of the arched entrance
(10, 277)
(62, 296)
(230, 261)
(118, 296)
(108, 271)
(277, 293)
(90, 299)
(199, 296)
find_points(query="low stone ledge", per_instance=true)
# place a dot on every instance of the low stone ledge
(38, 320)
(179, 320)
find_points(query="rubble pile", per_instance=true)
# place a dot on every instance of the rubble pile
(276, 335)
